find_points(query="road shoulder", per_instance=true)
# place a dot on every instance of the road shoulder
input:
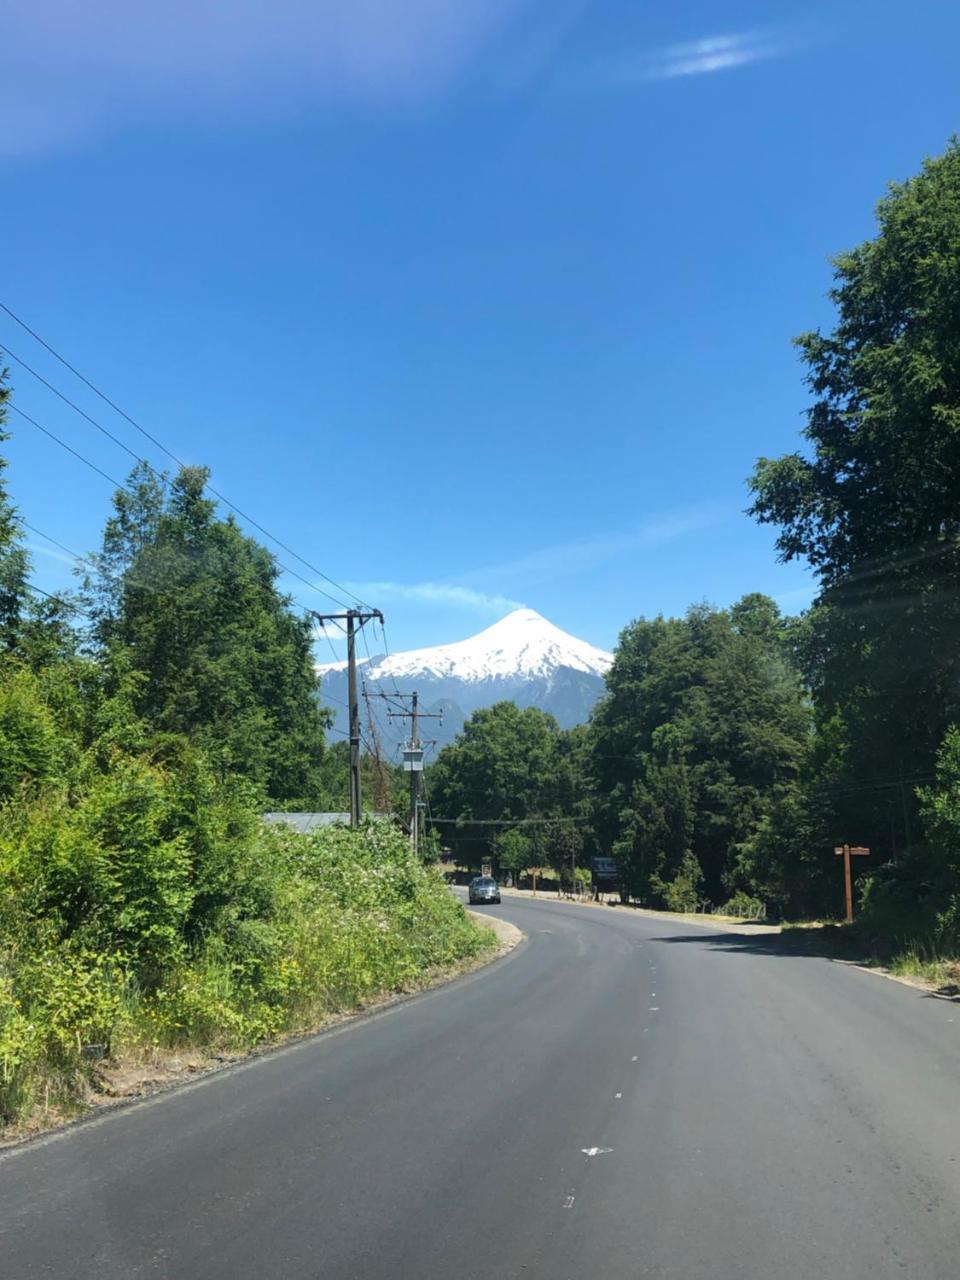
(135, 1079)
(508, 935)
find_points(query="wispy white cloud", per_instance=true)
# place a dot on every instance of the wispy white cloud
(475, 590)
(74, 69)
(698, 57)
(578, 555)
(798, 597)
(38, 549)
(442, 593)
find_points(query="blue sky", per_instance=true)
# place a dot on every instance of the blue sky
(470, 302)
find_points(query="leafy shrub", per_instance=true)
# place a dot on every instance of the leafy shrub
(145, 904)
(744, 905)
(31, 746)
(684, 891)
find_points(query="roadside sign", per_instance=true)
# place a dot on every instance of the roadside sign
(485, 869)
(846, 852)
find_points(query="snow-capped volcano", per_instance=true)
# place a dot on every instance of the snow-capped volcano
(523, 643)
(522, 657)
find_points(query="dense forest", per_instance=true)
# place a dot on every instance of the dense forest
(735, 748)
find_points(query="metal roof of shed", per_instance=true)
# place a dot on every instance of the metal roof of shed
(311, 821)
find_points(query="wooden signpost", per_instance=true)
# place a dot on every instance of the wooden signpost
(847, 852)
(535, 871)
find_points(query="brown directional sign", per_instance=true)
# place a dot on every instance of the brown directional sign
(847, 852)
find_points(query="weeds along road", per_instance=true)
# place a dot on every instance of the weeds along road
(619, 1096)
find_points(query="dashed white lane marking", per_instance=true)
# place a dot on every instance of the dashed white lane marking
(596, 1151)
(634, 1058)
(568, 1203)
(618, 1095)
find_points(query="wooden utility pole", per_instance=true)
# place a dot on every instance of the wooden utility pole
(355, 619)
(847, 851)
(412, 751)
(415, 778)
(354, 713)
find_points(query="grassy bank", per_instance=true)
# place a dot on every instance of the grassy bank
(225, 944)
(925, 960)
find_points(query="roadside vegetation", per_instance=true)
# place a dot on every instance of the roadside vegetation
(148, 718)
(735, 748)
(145, 724)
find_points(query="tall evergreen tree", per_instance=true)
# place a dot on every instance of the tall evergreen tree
(874, 505)
(189, 613)
(13, 558)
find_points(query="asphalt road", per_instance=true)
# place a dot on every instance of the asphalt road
(752, 1115)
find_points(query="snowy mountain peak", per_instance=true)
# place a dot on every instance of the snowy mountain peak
(523, 658)
(523, 644)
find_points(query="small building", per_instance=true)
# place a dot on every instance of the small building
(304, 822)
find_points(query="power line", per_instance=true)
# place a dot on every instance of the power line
(40, 592)
(355, 619)
(386, 650)
(159, 476)
(67, 401)
(502, 822)
(160, 445)
(326, 635)
(69, 448)
(366, 646)
(40, 534)
(118, 484)
(426, 796)
(57, 599)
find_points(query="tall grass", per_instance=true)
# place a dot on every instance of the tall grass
(271, 936)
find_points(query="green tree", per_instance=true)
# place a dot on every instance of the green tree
(189, 615)
(931, 882)
(501, 768)
(133, 528)
(384, 787)
(655, 817)
(512, 851)
(31, 741)
(13, 558)
(873, 504)
(703, 726)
